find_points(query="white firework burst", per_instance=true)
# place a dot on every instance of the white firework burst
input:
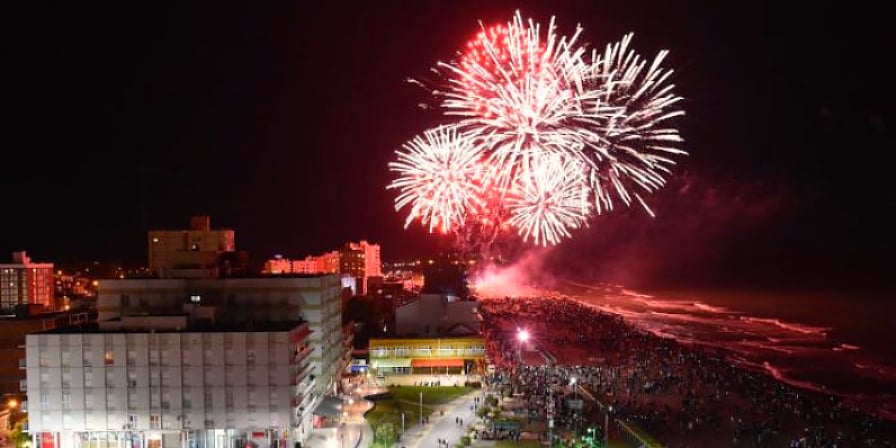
(550, 200)
(438, 177)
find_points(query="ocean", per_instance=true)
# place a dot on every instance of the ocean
(843, 344)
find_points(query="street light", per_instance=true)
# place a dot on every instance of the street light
(522, 336)
(607, 425)
(575, 394)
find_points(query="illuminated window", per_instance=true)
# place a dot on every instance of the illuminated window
(195, 298)
(155, 240)
(109, 358)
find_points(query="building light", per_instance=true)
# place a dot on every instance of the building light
(155, 240)
(195, 298)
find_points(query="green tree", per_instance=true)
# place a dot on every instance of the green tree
(386, 433)
(18, 436)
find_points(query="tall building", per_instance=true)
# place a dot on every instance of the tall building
(197, 252)
(358, 260)
(25, 283)
(170, 381)
(362, 261)
(201, 362)
(313, 299)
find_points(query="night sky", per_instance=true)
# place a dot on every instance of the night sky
(278, 120)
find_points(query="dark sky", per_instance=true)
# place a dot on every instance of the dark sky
(278, 120)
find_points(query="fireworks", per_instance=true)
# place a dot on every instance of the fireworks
(547, 133)
(438, 178)
(550, 200)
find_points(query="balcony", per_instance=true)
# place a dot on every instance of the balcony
(23, 364)
(23, 386)
(302, 354)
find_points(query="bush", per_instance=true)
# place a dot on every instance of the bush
(386, 433)
(465, 441)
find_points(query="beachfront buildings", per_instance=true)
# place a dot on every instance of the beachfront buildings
(360, 261)
(436, 314)
(170, 381)
(195, 252)
(447, 355)
(24, 283)
(315, 299)
(258, 343)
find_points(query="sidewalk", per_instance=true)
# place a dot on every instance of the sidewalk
(443, 426)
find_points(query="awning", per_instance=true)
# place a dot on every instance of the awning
(438, 362)
(329, 407)
(388, 363)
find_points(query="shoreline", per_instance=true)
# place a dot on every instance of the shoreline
(859, 401)
(694, 396)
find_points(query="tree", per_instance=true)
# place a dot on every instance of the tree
(386, 433)
(18, 436)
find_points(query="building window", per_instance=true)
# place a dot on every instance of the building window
(194, 247)
(228, 399)
(88, 377)
(66, 398)
(125, 300)
(109, 358)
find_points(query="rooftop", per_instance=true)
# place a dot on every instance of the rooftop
(207, 327)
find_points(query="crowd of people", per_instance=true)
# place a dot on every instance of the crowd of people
(681, 395)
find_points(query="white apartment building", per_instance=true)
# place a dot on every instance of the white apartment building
(315, 299)
(183, 385)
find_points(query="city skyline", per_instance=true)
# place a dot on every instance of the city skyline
(280, 122)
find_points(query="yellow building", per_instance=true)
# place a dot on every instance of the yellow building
(426, 355)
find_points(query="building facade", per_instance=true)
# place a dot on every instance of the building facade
(12, 344)
(24, 282)
(315, 299)
(359, 260)
(194, 252)
(221, 386)
(436, 314)
(426, 355)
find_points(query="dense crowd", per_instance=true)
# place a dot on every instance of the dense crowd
(682, 395)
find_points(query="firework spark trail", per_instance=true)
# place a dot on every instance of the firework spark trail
(548, 133)
(438, 175)
(551, 200)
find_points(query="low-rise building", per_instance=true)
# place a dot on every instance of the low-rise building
(448, 355)
(436, 314)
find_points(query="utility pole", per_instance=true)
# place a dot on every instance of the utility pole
(607, 426)
(421, 409)
(402, 423)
